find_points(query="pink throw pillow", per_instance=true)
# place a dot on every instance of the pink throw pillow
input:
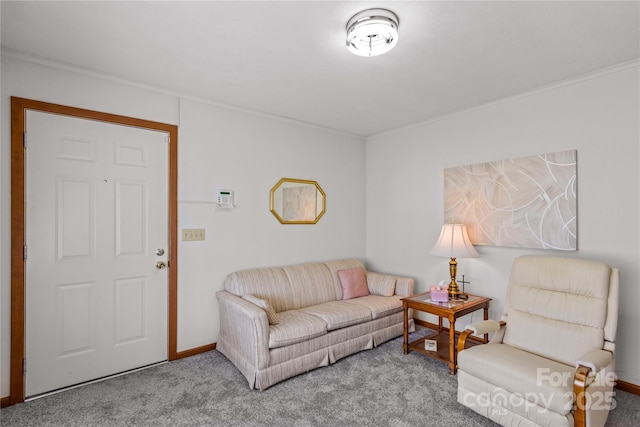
(353, 282)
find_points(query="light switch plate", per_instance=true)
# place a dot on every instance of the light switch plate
(192, 234)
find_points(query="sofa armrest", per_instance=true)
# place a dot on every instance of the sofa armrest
(595, 360)
(245, 327)
(404, 286)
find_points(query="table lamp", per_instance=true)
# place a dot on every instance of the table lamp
(454, 243)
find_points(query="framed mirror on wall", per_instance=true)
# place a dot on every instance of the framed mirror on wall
(297, 201)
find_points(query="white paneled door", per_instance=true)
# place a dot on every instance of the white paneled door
(97, 244)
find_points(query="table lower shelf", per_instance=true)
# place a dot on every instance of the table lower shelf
(442, 338)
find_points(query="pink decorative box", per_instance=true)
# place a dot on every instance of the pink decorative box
(439, 293)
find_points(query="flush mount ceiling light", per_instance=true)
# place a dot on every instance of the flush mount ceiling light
(372, 32)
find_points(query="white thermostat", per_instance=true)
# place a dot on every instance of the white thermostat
(224, 199)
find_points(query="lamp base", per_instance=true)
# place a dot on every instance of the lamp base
(455, 294)
(454, 290)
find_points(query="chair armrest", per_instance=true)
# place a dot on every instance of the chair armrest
(595, 360)
(579, 391)
(245, 327)
(485, 327)
(479, 328)
(586, 367)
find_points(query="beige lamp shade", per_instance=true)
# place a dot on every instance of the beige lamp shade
(454, 242)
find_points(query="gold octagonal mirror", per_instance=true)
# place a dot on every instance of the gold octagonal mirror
(297, 201)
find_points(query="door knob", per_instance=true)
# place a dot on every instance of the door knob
(160, 265)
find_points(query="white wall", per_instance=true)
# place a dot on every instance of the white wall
(221, 148)
(224, 148)
(218, 147)
(599, 116)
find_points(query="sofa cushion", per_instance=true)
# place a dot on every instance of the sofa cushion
(381, 284)
(311, 284)
(379, 306)
(337, 265)
(271, 313)
(271, 284)
(523, 373)
(295, 327)
(339, 314)
(353, 283)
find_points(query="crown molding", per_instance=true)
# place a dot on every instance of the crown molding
(545, 88)
(9, 53)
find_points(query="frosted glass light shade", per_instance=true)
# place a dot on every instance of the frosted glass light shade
(454, 242)
(372, 32)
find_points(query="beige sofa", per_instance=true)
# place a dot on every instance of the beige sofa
(279, 322)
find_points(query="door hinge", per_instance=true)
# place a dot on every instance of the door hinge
(166, 139)
(24, 139)
(24, 366)
(24, 253)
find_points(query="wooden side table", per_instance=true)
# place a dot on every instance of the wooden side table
(445, 337)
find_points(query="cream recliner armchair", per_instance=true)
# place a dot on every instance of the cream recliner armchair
(550, 361)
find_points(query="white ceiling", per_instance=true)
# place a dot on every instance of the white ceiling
(288, 58)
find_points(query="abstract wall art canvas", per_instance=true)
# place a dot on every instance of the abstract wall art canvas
(527, 202)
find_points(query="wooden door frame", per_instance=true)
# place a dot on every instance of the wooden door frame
(19, 107)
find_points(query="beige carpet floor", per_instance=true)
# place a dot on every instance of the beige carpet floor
(379, 387)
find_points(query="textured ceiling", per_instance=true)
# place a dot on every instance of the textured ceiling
(289, 58)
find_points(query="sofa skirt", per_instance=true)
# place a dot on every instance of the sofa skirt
(287, 362)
